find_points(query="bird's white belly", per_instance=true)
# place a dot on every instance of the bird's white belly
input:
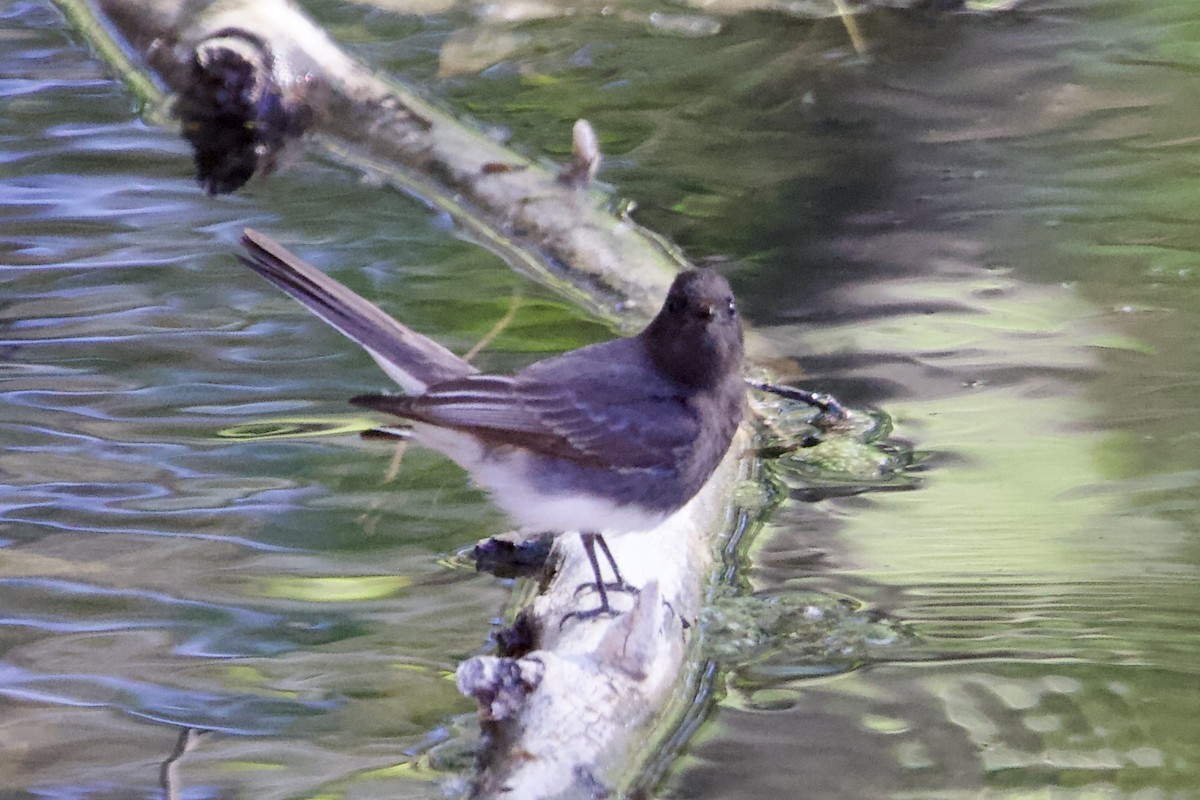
(507, 476)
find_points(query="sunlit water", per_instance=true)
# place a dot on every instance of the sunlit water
(987, 228)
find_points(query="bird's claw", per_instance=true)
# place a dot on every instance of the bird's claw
(604, 608)
(602, 611)
(616, 586)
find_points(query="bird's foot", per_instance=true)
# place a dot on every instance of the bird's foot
(614, 586)
(604, 609)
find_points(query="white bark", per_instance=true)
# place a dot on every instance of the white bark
(566, 717)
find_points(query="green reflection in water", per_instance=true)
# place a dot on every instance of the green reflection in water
(1032, 329)
(295, 427)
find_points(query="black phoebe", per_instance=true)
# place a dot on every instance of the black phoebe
(611, 438)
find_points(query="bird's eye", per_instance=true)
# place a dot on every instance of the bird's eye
(732, 308)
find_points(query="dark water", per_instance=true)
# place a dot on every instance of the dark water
(986, 228)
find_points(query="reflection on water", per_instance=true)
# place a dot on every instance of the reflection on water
(987, 229)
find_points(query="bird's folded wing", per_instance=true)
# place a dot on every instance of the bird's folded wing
(642, 427)
(409, 358)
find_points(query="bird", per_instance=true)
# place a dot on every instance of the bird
(608, 439)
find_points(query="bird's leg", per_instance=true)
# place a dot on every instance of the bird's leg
(619, 584)
(589, 547)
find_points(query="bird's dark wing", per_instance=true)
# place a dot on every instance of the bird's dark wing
(612, 413)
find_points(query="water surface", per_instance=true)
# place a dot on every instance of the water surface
(986, 227)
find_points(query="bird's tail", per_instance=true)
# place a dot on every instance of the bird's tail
(412, 360)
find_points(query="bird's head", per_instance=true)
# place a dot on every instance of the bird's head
(696, 338)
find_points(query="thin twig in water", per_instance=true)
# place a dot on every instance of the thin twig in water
(168, 774)
(851, 25)
(500, 325)
(827, 403)
(394, 467)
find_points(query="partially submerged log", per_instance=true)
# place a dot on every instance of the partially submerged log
(561, 717)
(253, 75)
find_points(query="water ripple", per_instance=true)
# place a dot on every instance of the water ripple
(206, 629)
(242, 715)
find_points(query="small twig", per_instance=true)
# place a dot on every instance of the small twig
(851, 25)
(168, 777)
(398, 435)
(394, 466)
(827, 403)
(369, 518)
(500, 325)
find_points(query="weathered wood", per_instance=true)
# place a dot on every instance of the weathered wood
(559, 230)
(564, 717)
